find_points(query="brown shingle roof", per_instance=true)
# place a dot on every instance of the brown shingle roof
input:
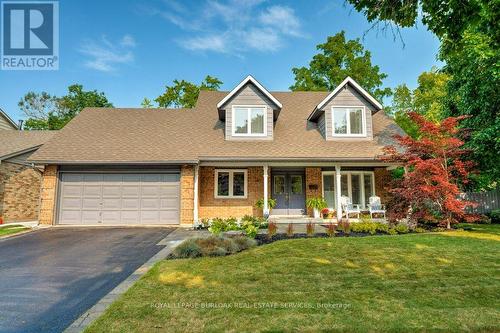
(12, 142)
(180, 135)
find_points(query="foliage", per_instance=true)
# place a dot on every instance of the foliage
(392, 231)
(345, 226)
(310, 229)
(469, 33)
(184, 94)
(219, 225)
(427, 99)
(46, 112)
(270, 202)
(212, 246)
(250, 225)
(250, 230)
(369, 227)
(289, 230)
(494, 215)
(146, 103)
(316, 203)
(272, 228)
(402, 229)
(420, 230)
(339, 58)
(331, 229)
(436, 169)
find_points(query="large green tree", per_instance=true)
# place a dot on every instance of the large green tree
(337, 59)
(47, 112)
(183, 94)
(428, 100)
(469, 32)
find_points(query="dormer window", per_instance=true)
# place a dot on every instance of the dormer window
(249, 121)
(349, 121)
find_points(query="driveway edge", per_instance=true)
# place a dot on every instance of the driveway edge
(170, 242)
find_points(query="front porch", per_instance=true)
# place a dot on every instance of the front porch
(224, 190)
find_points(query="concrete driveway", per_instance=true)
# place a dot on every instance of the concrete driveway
(48, 278)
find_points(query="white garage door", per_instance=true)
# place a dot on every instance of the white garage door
(119, 198)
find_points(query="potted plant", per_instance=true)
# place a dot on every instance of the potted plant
(325, 213)
(271, 203)
(317, 204)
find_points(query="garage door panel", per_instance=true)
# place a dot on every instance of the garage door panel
(150, 190)
(111, 190)
(91, 217)
(71, 216)
(169, 217)
(119, 198)
(72, 191)
(91, 190)
(72, 203)
(131, 203)
(150, 203)
(111, 203)
(131, 190)
(169, 203)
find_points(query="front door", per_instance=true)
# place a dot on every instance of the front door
(288, 189)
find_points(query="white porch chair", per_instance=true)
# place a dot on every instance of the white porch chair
(375, 207)
(348, 207)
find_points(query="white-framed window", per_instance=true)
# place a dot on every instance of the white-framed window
(249, 120)
(230, 183)
(357, 185)
(349, 121)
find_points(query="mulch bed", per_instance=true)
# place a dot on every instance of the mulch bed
(265, 239)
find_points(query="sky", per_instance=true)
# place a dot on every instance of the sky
(131, 49)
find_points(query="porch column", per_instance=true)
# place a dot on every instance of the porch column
(337, 192)
(195, 195)
(266, 204)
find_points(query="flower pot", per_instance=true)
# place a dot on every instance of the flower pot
(316, 213)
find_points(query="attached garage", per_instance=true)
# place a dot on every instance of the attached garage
(118, 198)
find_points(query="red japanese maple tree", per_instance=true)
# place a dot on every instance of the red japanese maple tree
(435, 169)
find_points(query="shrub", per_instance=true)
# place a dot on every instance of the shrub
(345, 226)
(244, 243)
(401, 229)
(310, 229)
(270, 202)
(382, 227)
(494, 216)
(331, 229)
(205, 223)
(272, 228)
(316, 203)
(420, 230)
(439, 229)
(392, 231)
(188, 249)
(368, 227)
(219, 225)
(289, 230)
(250, 230)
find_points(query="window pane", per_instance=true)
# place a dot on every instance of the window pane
(279, 184)
(340, 121)
(257, 121)
(238, 184)
(329, 190)
(343, 185)
(296, 184)
(368, 188)
(223, 183)
(356, 189)
(356, 119)
(240, 121)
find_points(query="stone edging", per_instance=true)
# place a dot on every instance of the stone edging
(170, 242)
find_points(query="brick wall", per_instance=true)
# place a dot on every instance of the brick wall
(19, 192)
(314, 185)
(48, 195)
(211, 207)
(382, 181)
(187, 194)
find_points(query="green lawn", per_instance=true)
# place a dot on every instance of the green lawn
(420, 282)
(11, 229)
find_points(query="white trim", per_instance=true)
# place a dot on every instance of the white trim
(363, 204)
(244, 164)
(249, 124)
(249, 78)
(265, 170)
(231, 175)
(349, 135)
(360, 89)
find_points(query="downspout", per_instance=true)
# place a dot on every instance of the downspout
(195, 196)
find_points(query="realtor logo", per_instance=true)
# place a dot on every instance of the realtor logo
(30, 35)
